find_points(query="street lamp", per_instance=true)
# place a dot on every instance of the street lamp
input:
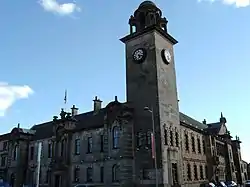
(154, 146)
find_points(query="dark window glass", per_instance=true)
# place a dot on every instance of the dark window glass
(177, 139)
(50, 150)
(62, 147)
(116, 137)
(201, 172)
(199, 145)
(189, 176)
(193, 144)
(32, 153)
(186, 142)
(102, 143)
(15, 153)
(165, 136)
(102, 174)
(90, 144)
(171, 138)
(89, 174)
(195, 172)
(77, 146)
(77, 175)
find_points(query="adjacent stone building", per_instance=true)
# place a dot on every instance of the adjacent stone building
(244, 171)
(128, 144)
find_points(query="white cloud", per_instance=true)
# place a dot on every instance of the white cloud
(11, 93)
(237, 3)
(57, 8)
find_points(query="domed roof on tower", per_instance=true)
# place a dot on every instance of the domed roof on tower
(146, 15)
(147, 3)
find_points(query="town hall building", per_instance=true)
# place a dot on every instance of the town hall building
(145, 141)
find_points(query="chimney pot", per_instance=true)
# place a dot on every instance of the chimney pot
(74, 110)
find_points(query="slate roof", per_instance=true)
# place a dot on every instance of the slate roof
(87, 120)
(214, 128)
(190, 121)
(93, 120)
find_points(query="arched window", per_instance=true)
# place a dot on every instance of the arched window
(115, 173)
(116, 137)
(15, 153)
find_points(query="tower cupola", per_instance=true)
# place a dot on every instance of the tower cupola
(146, 15)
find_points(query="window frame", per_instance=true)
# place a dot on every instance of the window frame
(116, 137)
(77, 146)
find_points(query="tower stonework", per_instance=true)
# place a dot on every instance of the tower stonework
(151, 85)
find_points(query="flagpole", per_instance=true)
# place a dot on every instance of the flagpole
(65, 100)
(39, 150)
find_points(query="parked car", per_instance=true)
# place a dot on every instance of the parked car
(231, 184)
(247, 184)
(87, 185)
(221, 184)
(207, 184)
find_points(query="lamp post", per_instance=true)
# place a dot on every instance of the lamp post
(154, 146)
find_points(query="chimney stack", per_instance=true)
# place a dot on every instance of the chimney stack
(97, 104)
(74, 110)
(204, 121)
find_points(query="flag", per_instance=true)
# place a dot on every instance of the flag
(153, 145)
(65, 97)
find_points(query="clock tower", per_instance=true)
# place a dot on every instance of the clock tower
(151, 89)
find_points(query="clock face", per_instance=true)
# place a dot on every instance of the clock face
(139, 55)
(166, 56)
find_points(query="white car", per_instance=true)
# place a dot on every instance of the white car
(231, 184)
(247, 184)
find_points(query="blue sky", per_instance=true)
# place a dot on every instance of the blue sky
(52, 48)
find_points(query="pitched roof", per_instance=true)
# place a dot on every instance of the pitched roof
(192, 122)
(214, 128)
(87, 120)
